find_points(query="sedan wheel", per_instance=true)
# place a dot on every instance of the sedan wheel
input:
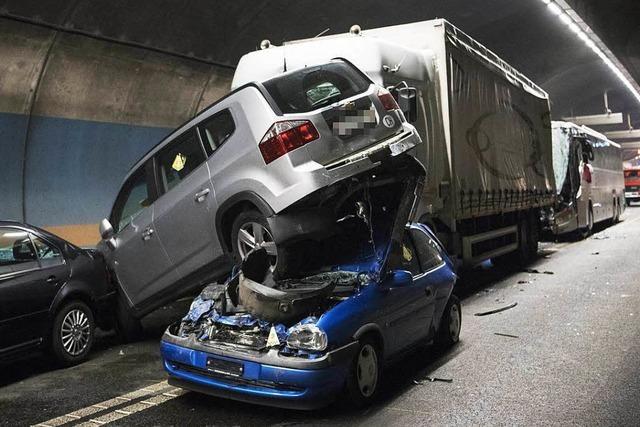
(75, 332)
(72, 333)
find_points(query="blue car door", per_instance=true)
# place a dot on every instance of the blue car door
(437, 279)
(406, 298)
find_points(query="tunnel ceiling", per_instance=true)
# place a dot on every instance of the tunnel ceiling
(523, 32)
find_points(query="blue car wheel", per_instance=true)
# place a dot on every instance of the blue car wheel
(365, 374)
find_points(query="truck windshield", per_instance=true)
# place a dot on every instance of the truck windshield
(315, 87)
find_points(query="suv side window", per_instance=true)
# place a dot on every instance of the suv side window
(48, 254)
(216, 130)
(133, 198)
(406, 257)
(16, 251)
(178, 159)
(428, 250)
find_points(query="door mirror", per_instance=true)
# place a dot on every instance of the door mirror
(106, 229)
(398, 278)
(408, 101)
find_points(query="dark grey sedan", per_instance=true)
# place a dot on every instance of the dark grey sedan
(52, 294)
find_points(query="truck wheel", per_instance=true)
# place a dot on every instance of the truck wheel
(364, 376)
(533, 238)
(128, 327)
(72, 333)
(448, 333)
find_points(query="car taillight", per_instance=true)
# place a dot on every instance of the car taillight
(284, 137)
(388, 101)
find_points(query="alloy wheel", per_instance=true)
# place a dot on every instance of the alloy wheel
(253, 235)
(75, 332)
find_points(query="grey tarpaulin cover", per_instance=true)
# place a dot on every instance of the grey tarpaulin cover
(500, 136)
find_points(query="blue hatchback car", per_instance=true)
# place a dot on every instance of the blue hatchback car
(373, 289)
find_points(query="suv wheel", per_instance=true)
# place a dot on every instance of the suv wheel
(72, 333)
(250, 231)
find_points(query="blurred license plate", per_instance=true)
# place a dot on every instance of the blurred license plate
(225, 367)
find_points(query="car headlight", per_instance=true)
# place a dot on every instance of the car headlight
(307, 337)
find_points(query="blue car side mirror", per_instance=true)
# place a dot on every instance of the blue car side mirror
(397, 278)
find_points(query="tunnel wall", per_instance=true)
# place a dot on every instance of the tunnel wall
(77, 112)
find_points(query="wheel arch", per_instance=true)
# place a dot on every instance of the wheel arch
(373, 330)
(231, 208)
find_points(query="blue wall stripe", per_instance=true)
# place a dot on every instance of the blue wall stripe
(13, 129)
(74, 168)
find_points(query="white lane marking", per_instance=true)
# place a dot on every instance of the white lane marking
(153, 395)
(121, 413)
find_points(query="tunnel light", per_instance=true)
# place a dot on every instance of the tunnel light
(566, 19)
(554, 8)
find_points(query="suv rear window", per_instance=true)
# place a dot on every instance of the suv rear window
(315, 87)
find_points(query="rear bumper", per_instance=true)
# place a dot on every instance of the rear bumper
(266, 379)
(632, 195)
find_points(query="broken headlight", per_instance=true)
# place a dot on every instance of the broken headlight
(307, 337)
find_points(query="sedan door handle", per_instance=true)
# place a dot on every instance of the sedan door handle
(146, 234)
(201, 195)
(51, 279)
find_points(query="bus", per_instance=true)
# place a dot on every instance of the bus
(632, 185)
(589, 180)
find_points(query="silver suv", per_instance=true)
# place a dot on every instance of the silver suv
(207, 194)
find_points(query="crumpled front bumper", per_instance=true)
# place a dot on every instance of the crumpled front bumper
(267, 378)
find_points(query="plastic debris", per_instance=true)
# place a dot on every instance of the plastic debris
(497, 310)
(433, 379)
(198, 308)
(595, 253)
(500, 334)
(523, 282)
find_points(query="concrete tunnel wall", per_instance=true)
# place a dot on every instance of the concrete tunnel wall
(77, 112)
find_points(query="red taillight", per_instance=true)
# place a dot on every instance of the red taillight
(388, 101)
(284, 137)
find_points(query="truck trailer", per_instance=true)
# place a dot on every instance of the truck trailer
(486, 129)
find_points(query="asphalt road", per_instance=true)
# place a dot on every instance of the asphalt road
(572, 358)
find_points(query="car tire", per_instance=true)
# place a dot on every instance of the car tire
(128, 327)
(250, 220)
(628, 202)
(448, 333)
(365, 373)
(72, 333)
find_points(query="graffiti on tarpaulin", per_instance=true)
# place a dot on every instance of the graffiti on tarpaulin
(479, 138)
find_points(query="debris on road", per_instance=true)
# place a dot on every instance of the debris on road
(595, 253)
(505, 335)
(433, 379)
(534, 271)
(524, 282)
(121, 353)
(497, 310)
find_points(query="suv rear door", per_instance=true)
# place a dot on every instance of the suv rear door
(141, 265)
(343, 104)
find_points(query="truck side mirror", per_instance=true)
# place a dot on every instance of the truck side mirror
(407, 98)
(106, 229)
